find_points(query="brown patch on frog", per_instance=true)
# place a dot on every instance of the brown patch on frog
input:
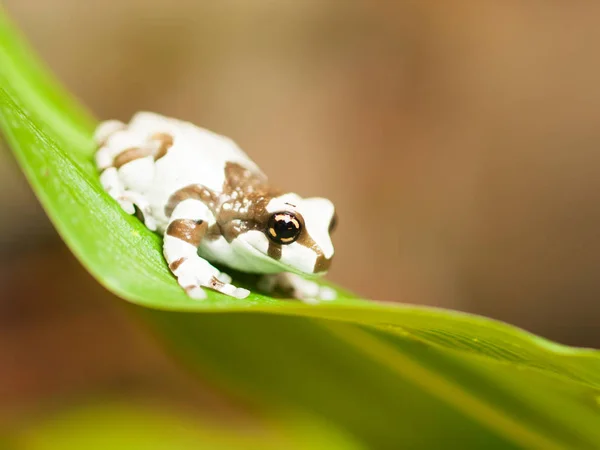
(175, 264)
(194, 191)
(216, 284)
(190, 288)
(322, 263)
(128, 155)
(165, 141)
(213, 233)
(190, 231)
(274, 250)
(248, 194)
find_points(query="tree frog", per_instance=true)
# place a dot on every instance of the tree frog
(212, 204)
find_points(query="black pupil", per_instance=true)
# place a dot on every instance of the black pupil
(284, 228)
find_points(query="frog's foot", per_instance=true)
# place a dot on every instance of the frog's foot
(222, 284)
(224, 278)
(130, 201)
(114, 187)
(194, 275)
(195, 290)
(296, 287)
(141, 207)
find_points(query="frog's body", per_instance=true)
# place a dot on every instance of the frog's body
(213, 204)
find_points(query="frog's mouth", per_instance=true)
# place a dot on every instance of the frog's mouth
(277, 265)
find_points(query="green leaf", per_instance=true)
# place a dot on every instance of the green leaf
(390, 376)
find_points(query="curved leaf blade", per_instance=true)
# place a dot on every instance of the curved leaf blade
(412, 369)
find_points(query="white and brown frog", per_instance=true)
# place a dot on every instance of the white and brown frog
(213, 204)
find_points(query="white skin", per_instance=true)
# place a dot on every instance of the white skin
(212, 203)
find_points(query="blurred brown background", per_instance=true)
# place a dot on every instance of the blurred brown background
(460, 141)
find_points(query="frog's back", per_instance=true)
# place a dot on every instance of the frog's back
(197, 156)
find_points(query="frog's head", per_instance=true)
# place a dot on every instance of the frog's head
(293, 234)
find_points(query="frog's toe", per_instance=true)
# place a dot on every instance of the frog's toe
(227, 288)
(241, 293)
(106, 129)
(309, 291)
(225, 278)
(191, 286)
(150, 223)
(109, 179)
(104, 158)
(126, 204)
(195, 292)
(327, 294)
(304, 289)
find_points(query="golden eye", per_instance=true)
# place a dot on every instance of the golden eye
(284, 228)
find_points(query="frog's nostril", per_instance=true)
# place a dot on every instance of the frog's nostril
(322, 264)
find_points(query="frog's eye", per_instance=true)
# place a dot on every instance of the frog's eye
(333, 223)
(284, 228)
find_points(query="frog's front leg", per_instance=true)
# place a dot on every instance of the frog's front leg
(184, 234)
(295, 286)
